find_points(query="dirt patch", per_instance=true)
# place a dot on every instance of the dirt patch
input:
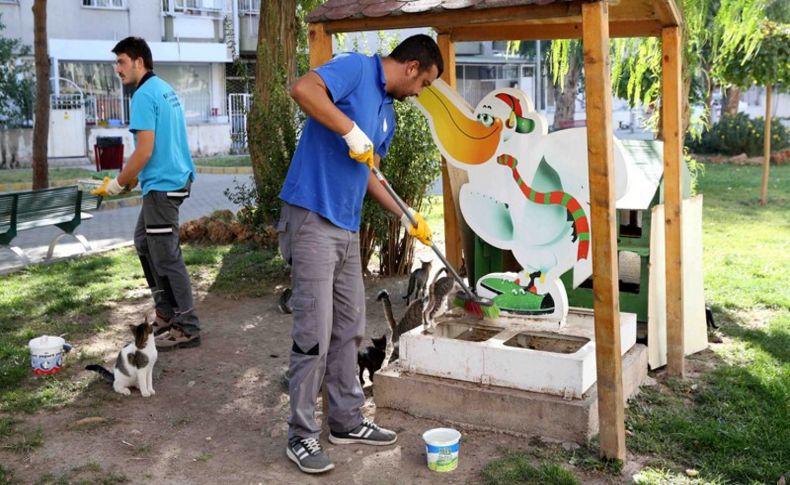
(219, 413)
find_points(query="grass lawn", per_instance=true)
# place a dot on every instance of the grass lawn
(21, 175)
(732, 423)
(74, 298)
(225, 161)
(729, 423)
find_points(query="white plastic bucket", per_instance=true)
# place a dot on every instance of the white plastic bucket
(441, 447)
(46, 354)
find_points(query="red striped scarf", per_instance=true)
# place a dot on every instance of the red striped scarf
(580, 224)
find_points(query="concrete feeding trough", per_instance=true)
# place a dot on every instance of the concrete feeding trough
(514, 352)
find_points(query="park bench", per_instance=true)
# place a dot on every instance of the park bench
(63, 207)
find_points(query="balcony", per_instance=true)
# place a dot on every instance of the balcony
(249, 7)
(207, 8)
(195, 20)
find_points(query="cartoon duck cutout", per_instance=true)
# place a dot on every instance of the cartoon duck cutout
(528, 192)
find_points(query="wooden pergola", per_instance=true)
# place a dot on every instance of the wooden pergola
(595, 22)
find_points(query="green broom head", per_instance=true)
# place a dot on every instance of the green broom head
(479, 307)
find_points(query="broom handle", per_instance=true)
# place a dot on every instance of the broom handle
(402, 205)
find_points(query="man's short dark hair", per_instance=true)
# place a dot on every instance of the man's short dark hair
(135, 48)
(420, 48)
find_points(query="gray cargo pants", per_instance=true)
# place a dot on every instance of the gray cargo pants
(158, 246)
(328, 305)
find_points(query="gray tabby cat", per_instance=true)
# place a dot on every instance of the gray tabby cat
(135, 363)
(410, 320)
(437, 297)
(418, 281)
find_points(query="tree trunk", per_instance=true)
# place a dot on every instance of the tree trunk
(271, 120)
(277, 30)
(766, 146)
(41, 126)
(565, 94)
(729, 103)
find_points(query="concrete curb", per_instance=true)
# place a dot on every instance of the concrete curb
(13, 187)
(223, 170)
(18, 267)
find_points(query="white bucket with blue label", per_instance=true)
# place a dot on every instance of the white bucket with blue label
(441, 447)
(46, 354)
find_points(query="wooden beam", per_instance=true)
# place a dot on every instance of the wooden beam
(319, 45)
(452, 232)
(671, 92)
(668, 13)
(664, 12)
(636, 28)
(600, 153)
(449, 18)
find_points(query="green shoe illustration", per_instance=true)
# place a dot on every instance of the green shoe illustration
(514, 298)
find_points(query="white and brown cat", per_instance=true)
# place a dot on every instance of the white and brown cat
(134, 366)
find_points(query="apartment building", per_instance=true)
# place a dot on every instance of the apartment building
(192, 43)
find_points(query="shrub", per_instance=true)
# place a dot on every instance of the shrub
(411, 166)
(733, 135)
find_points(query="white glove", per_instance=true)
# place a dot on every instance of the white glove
(109, 187)
(357, 140)
(114, 188)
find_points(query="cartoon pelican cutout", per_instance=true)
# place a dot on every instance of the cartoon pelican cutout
(528, 192)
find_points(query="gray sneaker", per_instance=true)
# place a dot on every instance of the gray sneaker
(368, 433)
(308, 455)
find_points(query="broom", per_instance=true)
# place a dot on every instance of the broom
(471, 303)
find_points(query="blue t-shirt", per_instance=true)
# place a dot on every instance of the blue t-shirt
(155, 107)
(322, 177)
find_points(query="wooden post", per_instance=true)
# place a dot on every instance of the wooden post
(319, 45)
(766, 146)
(671, 87)
(452, 234)
(600, 153)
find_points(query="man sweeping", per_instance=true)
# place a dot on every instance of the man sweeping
(351, 124)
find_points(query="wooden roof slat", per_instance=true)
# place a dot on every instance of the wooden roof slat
(640, 28)
(451, 15)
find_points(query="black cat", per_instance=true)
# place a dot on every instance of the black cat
(371, 358)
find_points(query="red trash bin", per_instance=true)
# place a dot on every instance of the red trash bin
(109, 153)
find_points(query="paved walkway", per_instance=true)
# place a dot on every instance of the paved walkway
(115, 227)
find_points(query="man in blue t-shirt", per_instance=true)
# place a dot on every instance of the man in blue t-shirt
(350, 127)
(162, 163)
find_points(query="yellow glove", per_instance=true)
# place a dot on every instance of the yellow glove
(110, 187)
(365, 157)
(360, 148)
(422, 232)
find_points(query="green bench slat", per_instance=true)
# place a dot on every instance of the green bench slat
(57, 206)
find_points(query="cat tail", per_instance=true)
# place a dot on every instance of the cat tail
(104, 373)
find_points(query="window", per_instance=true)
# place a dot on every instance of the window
(249, 7)
(192, 84)
(104, 3)
(197, 7)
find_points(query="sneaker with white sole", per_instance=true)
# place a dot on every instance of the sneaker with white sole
(308, 455)
(368, 433)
